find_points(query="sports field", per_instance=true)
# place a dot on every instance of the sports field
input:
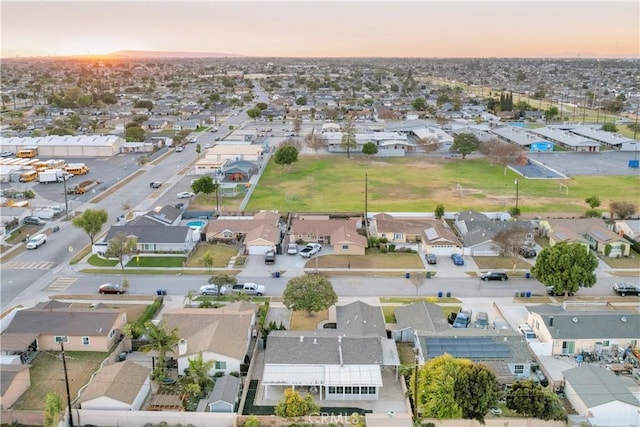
(337, 184)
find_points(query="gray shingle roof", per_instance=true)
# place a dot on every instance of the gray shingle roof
(422, 316)
(225, 390)
(589, 324)
(151, 233)
(360, 319)
(597, 386)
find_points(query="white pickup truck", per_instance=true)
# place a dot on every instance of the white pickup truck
(249, 289)
(310, 250)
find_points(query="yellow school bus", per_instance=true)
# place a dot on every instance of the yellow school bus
(27, 153)
(76, 170)
(28, 176)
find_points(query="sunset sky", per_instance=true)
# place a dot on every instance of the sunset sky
(303, 28)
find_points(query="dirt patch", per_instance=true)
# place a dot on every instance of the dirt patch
(303, 321)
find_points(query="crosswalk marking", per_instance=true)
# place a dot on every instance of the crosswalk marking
(29, 265)
(61, 284)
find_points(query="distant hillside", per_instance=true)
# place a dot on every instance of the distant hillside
(163, 54)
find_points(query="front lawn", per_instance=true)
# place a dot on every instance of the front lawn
(501, 263)
(156, 261)
(101, 262)
(373, 259)
(47, 375)
(303, 321)
(222, 253)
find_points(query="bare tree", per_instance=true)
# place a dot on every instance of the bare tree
(297, 125)
(290, 142)
(428, 144)
(623, 209)
(417, 280)
(500, 152)
(509, 241)
(315, 141)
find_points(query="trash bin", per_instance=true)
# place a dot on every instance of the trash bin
(428, 275)
(159, 292)
(56, 229)
(448, 294)
(439, 294)
(516, 294)
(527, 294)
(527, 275)
(407, 275)
(122, 356)
(523, 294)
(277, 274)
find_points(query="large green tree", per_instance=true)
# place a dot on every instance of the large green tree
(566, 267)
(475, 390)
(204, 185)
(286, 155)
(370, 148)
(310, 293)
(465, 144)
(161, 342)
(134, 134)
(91, 221)
(436, 387)
(419, 104)
(533, 400)
(254, 113)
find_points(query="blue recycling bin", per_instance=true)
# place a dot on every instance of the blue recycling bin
(527, 294)
(161, 292)
(527, 275)
(439, 294)
(407, 275)
(277, 274)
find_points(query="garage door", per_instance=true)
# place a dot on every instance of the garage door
(259, 250)
(442, 250)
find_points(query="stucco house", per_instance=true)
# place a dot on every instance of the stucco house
(346, 363)
(591, 232)
(572, 332)
(477, 232)
(121, 386)
(260, 232)
(14, 381)
(601, 396)
(342, 234)
(628, 227)
(154, 238)
(220, 334)
(233, 152)
(46, 325)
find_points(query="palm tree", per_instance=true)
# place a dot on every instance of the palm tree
(161, 342)
(197, 376)
(189, 297)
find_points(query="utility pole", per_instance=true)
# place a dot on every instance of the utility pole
(366, 202)
(517, 191)
(66, 203)
(66, 382)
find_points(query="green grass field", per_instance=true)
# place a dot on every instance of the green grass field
(337, 184)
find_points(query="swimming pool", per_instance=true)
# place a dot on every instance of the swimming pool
(195, 224)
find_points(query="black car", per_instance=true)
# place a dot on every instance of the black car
(494, 275)
(527, 252)
(431, 259)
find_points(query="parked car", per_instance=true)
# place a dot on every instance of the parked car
(552, 291)
(212, 290)
(501, 324)
(431, 259)
(270, 257)
(626, 288)
(527, 252)
(36, 241)
(457, 259)
(494, 275)
(249, 289)
(179, 149)
(111, 288)
(527, 331)
(185, 195)
(6, 154)
(310, 250)
(292, 249)
(463, 318)
(482, 320)
(33, 220)
(155, 184)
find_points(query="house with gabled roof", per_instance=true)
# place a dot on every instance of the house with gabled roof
(591, 232)
(220, 334)
(260, 233)
(601, 396)
(154, 238)
(345, 363)
(47, 324)
(121, 386)
(572, 332)
(341, 233)
(477, 231)
(15, 379)
(164, 215)
(225, 395)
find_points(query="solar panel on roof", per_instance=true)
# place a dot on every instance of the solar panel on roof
(599, 235)
(469, 348)
(431, 233)
(562, 236)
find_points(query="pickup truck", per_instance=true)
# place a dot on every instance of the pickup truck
(310, 250)
(249, 289)
(626, 288)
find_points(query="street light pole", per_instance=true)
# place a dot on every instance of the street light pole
(517, 191)
(66, 382)
(66, 203)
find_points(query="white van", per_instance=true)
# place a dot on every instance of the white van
(36, 241)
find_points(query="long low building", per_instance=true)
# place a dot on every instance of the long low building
(67, 145)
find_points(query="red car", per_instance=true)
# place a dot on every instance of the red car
(111, 288)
